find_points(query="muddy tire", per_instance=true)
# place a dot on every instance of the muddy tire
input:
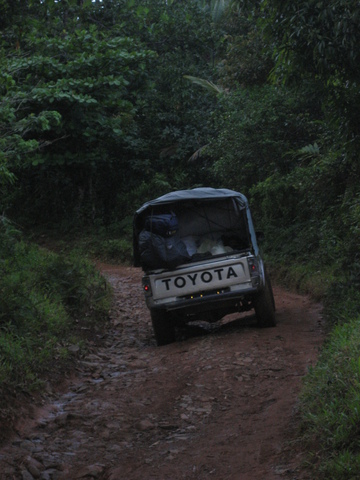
(163, 327)
(264, 305)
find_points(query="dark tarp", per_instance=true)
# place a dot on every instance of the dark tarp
(194, 194)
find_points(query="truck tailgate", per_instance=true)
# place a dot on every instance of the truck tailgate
(200, 278)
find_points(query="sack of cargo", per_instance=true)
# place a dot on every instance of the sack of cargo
(160, 252)
(165, 225)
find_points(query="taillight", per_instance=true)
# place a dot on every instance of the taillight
(146, 286)
(253, 266)
(254, 271)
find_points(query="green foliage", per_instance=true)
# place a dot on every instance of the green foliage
(154, 187)
(298, 276)
(331, 394)
(15, 129)
(319, 41)
(45, 299)
(187, 43)
(95, 103)
(256, 130)
(310, 214)
(248, 59)
(315, 36)
(119, 250)
(109, 244)
(75, 90)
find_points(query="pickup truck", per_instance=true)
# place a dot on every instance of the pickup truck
(201, 261)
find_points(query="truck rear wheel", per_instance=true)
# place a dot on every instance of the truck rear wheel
(264, 305)
(163, 327)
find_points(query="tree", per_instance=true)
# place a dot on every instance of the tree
(257, 131)
(85, 79)
(320, 37)
(320, 40)
(113, 73)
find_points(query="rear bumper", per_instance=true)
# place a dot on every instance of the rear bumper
(232, 301)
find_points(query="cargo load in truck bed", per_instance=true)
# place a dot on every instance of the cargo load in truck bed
(181, 227)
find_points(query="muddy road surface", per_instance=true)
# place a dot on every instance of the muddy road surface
(218, 404)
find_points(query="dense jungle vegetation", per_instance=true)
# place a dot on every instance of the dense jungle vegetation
(105, 104)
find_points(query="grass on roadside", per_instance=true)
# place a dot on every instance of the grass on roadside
(47, 302)
(331, 403)
(111, 244)
(330, 398)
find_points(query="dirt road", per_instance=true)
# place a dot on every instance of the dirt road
(219, 405)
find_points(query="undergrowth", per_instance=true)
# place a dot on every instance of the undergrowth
(111, 244)
(302, 278)
(330, 401)
(48, 303)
